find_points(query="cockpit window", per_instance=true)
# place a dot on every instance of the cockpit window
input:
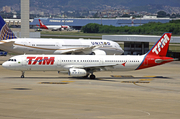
(12, 60)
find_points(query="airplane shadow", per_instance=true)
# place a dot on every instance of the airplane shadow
(111, 79)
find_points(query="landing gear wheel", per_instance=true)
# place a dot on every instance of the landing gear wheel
(92, 76)
(22, 76)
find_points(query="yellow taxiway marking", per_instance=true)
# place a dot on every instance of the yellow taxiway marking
(67, 81)
(145, 79)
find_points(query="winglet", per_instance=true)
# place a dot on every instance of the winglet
(7, 43)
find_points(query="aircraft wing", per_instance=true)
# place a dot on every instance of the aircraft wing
(92, 67)
(72, 51)
(7, 43)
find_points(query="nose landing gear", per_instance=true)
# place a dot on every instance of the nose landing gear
(22, 76)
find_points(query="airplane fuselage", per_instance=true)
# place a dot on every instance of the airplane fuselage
(60, 46)
(64, 62)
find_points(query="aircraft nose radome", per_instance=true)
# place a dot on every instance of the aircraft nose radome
(5, 65)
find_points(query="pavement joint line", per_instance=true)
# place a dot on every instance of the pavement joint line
(151, 76)
(53, 83)
(122, 76)
(135, 82)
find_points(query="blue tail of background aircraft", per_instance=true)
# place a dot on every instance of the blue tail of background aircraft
(5, 31)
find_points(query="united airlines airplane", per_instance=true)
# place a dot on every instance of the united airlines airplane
(83, 65)
(10, 43)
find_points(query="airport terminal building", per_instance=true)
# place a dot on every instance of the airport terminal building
(140, 44)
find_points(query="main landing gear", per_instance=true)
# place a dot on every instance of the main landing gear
(92, 76)
(22, 76)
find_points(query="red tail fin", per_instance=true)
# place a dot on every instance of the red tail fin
(41, 23)
(157, 54)
(161, 46)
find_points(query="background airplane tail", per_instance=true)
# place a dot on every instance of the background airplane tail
(5, 31)
(41, 23)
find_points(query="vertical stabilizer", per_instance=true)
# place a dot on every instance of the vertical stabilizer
(161, 46)
(157, 54)
(42, 25)
(5, 31)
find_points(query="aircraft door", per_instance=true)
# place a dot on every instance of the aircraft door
(24, 43)
(24, 61)
(58, 45)
(146, 61)
(59, 63)
(100, 61)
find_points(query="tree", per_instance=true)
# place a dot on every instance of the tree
(91, 28)
(125, 15)
(161, 14)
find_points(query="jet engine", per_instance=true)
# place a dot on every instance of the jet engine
(98, 52)
(75, 72)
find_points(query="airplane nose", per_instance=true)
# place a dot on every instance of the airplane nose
(5, 65)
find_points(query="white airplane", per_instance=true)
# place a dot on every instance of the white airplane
(52, 27)
(10, 43)
(83, 65)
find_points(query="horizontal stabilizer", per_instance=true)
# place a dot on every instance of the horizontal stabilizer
(163, 60)
(7, 43)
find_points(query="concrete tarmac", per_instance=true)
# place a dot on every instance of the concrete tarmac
(152, 93)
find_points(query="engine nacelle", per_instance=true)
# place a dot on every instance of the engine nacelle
(75, 72)
(98, 52)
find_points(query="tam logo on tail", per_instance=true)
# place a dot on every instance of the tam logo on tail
(161, 44)
(157, 54)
